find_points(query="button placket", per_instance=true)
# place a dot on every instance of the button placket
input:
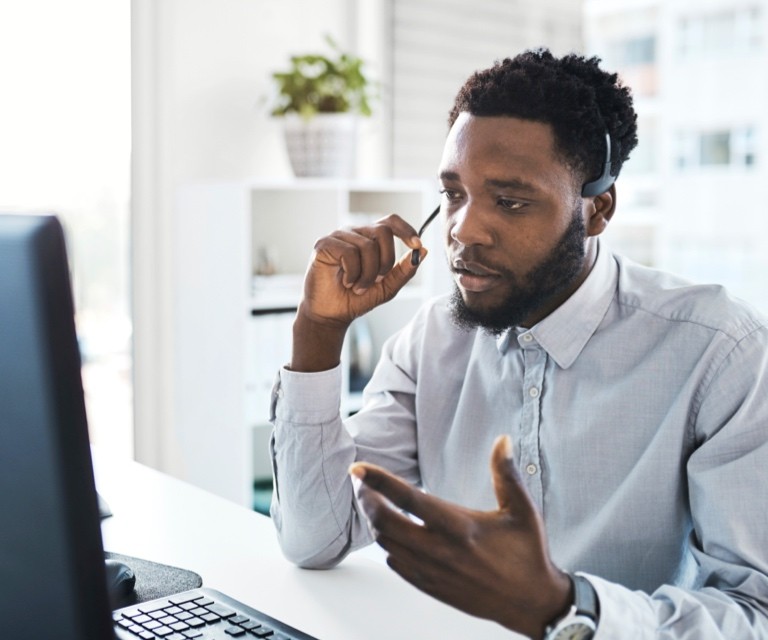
(534, 366)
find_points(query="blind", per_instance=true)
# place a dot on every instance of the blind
(437, 44)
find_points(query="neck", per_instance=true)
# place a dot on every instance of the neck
(590, 257)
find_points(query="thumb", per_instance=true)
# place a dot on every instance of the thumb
(401, 273)
(511, 495)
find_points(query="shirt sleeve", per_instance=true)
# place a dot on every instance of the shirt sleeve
(314, 508)
(726, 596)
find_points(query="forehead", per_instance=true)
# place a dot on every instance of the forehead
(501, 147)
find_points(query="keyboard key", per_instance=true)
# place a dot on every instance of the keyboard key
(192, 633)
(132, 613)
(203, 602)
(147, 635)
(142, 619)
(172, 611)
(183, 599)
(176, 636)
(250, 625)
(235, 632)
(135, 629)
(198, 611)
(221, 611)
(150, 607)
(158, 614)
(238, 619)
(195, 622)
(263, 632)
(125, 623)
(187, 606)
(179, 626)
(210, 617)
(162, 632)
(184, 615)
(152, 624)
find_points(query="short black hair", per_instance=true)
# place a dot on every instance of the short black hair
(572, 94)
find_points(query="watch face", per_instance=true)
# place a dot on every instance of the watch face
(578, 627)
(576, 631)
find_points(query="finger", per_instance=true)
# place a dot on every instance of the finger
(402, 229)
(386, 241)
(511, 494)
(402, 272)
(383, 518)
(435, 513)
(356, 254)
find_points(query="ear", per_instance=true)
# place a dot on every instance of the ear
(600, 211)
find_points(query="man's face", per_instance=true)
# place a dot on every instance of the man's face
(514, 222)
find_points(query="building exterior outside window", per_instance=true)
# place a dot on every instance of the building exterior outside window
(692, 195)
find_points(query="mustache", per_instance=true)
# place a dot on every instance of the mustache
(474, 255)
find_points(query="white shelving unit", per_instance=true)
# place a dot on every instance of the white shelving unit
(232, 331)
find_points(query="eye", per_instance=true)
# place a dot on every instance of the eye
(451, 195)
(510, 205)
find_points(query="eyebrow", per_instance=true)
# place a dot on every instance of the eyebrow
(513, 183)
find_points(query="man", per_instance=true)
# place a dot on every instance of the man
(626, 410)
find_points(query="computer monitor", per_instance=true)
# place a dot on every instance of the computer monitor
(52, 576)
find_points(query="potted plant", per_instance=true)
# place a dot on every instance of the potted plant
(319, 99)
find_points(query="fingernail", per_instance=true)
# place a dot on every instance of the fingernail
(507, 447)
(357, 470)
(359, 290)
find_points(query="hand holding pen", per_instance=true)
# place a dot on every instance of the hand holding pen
(352, 271)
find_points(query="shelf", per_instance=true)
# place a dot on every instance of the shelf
(233, 330)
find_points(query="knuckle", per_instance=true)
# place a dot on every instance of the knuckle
(392, 218)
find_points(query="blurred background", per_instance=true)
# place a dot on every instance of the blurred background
(146, 125)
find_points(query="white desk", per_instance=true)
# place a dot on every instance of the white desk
(235, 551)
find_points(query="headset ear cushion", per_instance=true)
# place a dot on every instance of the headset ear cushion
(604, 182)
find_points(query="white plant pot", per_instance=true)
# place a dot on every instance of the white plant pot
(323, 146)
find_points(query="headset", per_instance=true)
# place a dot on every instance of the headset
(604, 182)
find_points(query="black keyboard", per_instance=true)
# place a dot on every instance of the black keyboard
(200, 614)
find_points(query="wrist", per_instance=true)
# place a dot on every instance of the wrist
(316, 345)
(580, 621)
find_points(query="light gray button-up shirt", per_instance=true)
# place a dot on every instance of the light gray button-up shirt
(639, 415)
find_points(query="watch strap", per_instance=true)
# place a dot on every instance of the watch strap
(585, 598)
(583, 611)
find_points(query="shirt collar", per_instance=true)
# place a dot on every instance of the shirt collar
(564, 333)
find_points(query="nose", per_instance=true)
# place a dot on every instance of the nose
(469, 226)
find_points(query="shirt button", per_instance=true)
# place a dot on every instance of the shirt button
(533, 392)
(530, 469)
(527, 337)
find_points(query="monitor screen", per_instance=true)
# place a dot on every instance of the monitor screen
(52, 580)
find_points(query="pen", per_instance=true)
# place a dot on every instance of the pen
(432, 216)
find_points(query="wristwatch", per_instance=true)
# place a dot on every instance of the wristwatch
(580, 623)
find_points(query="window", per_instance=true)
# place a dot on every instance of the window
(635, 59)
(642, 160)
(65, 132)
(634, 52)
(732, 31)
(716, 148)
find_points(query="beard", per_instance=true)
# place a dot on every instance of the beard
(551, 276)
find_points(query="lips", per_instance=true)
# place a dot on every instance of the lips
(473, 276)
